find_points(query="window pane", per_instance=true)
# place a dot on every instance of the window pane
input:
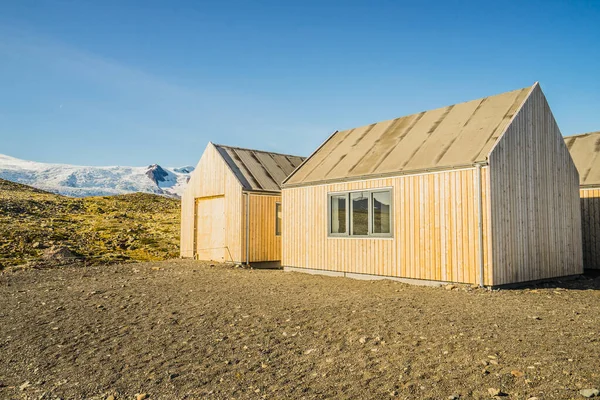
(278, 219)
(338, 214)
(360, 213)
(381, 212)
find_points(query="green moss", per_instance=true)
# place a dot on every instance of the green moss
(138, 227)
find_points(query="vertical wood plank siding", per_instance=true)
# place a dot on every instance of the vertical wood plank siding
(212, 177)
(264, 244)
(535, 203)
(435, 229)
(590, 224)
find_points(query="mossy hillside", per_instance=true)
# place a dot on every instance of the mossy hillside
(137, 227)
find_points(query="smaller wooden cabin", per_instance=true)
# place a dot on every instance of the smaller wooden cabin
(479, 192)
(231, 207)
(585, 150)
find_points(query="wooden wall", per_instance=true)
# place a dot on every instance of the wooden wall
(264, 244)
(212, 177)
(590, 223)
(435, 229)
(535, 204)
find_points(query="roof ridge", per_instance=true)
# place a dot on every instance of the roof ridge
(256, 150)
(581, 134)
(441, 108)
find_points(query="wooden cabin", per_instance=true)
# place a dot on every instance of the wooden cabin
(483, 192)
(231, 207)
(585, 150)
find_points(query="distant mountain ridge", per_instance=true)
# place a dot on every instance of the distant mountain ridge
(84, 181)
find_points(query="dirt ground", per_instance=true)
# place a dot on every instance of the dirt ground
(187, 330)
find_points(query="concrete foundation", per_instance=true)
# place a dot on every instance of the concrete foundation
(364, 276)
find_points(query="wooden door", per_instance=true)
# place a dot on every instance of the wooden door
(210, 229)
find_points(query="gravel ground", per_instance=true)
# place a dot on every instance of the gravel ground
(185, 329)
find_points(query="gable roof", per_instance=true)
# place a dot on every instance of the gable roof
(585, 151)
(259, 170)
(448, 137)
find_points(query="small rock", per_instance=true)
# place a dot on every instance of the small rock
(173, 376)
(532, 398)
(589, 392)
(363, 340)
(110, 397)
(454, 397)
(494, 362)
(307, 352)
(141, 396)
(450, 287)
(394, 393)
(36, 245)
(25, 385)
(496, 392)
(516, 373)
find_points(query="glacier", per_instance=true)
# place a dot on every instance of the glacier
(83, 181)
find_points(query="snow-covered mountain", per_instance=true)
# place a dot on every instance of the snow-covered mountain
(82, 181)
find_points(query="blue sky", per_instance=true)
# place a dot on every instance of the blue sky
(140, 82)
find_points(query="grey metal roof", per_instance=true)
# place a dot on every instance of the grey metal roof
(259, 170)
(453, 136)
(585, 151)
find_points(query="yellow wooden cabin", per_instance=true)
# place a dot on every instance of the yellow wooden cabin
(483, 192)
(585, 150)
(231, 207)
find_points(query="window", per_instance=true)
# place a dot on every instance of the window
(338, 214)
(369, 213)
(360, 213)
(381, 212)
(277, 219)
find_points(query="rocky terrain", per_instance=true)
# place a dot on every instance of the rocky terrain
(190, 330)
(40, 228)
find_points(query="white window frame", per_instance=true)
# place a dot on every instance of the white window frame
(370, 233)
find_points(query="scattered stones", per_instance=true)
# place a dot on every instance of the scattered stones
(589, 392)
(57, 253)
(494, 392)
